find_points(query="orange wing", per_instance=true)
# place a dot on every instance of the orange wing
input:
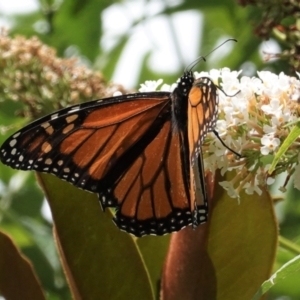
(202, 113)
(202, 117)
(81, 144)
(123, 149)
(155, 200)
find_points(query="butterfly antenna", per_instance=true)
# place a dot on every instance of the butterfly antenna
(194, 63)
(228, 40)
(231, 150)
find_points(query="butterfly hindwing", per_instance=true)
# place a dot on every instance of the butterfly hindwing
(156, 200)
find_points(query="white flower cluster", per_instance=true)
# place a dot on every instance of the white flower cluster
(254, 122)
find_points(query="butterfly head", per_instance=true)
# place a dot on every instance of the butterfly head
(185, 83)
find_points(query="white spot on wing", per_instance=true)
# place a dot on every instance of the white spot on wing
(75, 108)
(54, 116)
(16, 135)
(48, 161)
(12, 142)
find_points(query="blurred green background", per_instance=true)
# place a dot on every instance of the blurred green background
(130, 42)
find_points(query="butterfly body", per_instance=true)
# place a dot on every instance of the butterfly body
(139, 152)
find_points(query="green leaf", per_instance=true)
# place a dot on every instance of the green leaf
(153, 250)
(17, 277)
(78, 23)
(242, 243)
(293, 135)
(100, 261)
(290, 270)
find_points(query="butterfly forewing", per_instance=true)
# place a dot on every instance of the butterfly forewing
(81, 145)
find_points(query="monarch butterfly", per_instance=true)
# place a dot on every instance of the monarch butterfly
(139, 152)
